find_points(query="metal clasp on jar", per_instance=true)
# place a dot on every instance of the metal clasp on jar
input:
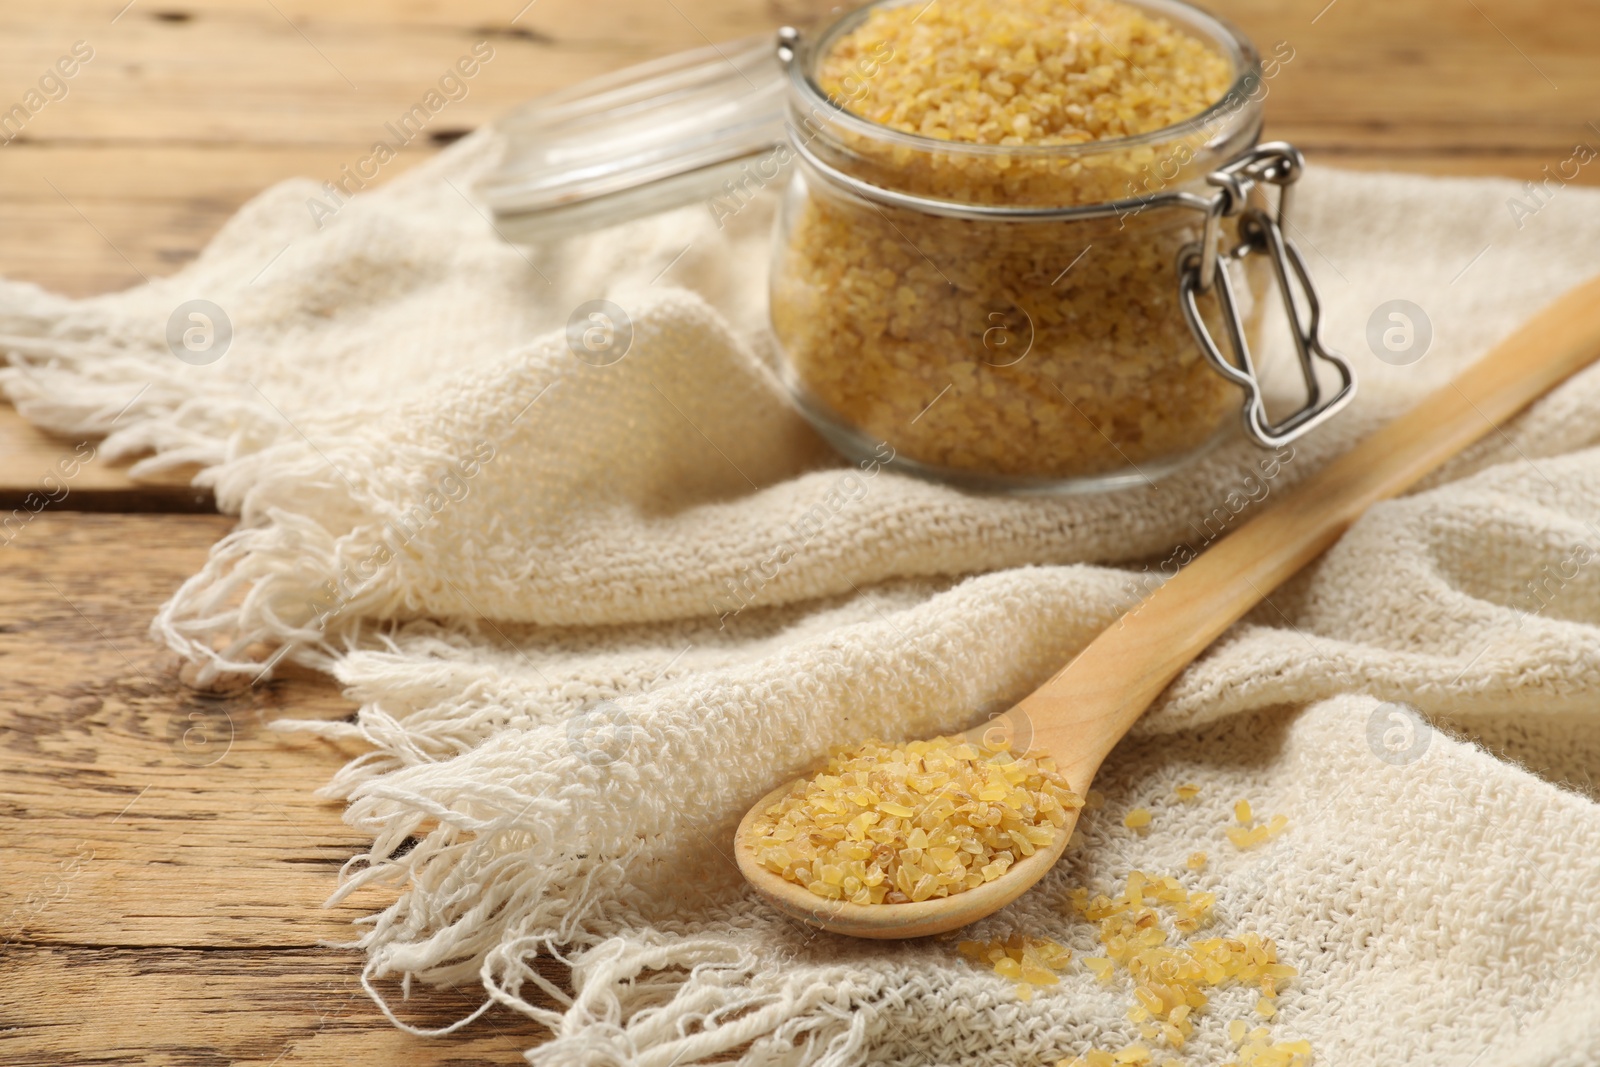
(1200, 270)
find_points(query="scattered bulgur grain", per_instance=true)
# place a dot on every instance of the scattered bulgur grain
(1101, 967)
(1170, 982)
(1187, 791)
(1137, 819)
(1245, 836)
(1028, 962)
(1197, 861)
(1260, 1051)
(900, 823)
(1094, 800)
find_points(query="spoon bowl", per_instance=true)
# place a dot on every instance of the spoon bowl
(919, 918)
(1080, 714)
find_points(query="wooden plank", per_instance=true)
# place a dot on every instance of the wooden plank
(201, 825)
(72, 231)
(327, 73)
(176, 1007)
(158, 847)
(51, 472)
(332, 73)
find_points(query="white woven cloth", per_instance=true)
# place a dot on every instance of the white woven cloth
(591, 613)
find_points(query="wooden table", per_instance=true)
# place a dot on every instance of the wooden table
(164, 858)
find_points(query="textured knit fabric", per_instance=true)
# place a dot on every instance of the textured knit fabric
(591, 613)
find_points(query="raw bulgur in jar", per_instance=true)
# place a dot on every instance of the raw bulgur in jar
(1024, 351)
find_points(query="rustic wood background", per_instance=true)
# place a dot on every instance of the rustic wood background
(162, 858)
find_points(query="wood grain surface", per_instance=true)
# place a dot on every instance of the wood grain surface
(165, 858)
(162, 859)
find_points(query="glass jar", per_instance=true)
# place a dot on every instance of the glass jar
(1038, 317)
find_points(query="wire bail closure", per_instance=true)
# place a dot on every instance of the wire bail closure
(1200, 270)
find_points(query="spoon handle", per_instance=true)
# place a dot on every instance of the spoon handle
(1081, 713)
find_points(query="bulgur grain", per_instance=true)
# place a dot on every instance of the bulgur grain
(1024, 72)
(1170, 982)
(892, 824)
(1026, 961)
(1246, 836)
(1044, 350)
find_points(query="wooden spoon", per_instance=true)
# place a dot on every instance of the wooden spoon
(1081, 713)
